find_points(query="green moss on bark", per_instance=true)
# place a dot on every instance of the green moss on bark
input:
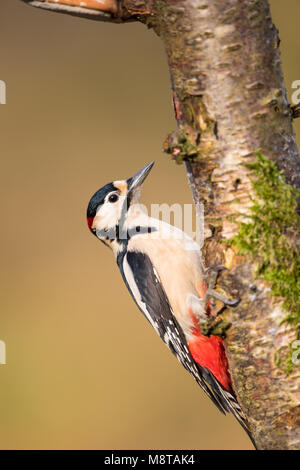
(179, 145)
(271, 237)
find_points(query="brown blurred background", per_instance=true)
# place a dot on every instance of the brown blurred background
(88, 103)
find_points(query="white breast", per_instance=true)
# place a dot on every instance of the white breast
(176, 258)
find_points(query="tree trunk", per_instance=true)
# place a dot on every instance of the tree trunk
(230, 100)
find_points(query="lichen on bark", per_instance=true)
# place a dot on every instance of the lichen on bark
(271, 237)
(180, 147)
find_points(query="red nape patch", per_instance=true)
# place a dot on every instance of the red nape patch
(208, 351)
(90, 222)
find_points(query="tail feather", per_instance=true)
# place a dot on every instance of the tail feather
(229, 402)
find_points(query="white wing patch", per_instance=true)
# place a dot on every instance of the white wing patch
(136, 293)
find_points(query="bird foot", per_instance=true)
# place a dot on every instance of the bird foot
(211, 324)
(211, 276)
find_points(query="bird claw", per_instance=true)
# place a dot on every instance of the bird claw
(211, 283)
(217, 268)
(210, 324)
(228, 302)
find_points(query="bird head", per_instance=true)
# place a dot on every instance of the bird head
(108, 208)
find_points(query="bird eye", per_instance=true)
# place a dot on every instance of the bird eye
(113, 197)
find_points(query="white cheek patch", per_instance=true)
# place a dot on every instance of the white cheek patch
(108, 214)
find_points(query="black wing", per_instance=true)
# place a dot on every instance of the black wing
(144, 285)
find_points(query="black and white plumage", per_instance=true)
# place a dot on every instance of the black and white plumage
(162, 269)
(145, 287)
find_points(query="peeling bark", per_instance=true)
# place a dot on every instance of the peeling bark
(229, 100)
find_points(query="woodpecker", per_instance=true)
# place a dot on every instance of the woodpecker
(163, 271)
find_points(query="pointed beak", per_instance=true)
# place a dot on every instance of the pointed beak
(138, 179)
